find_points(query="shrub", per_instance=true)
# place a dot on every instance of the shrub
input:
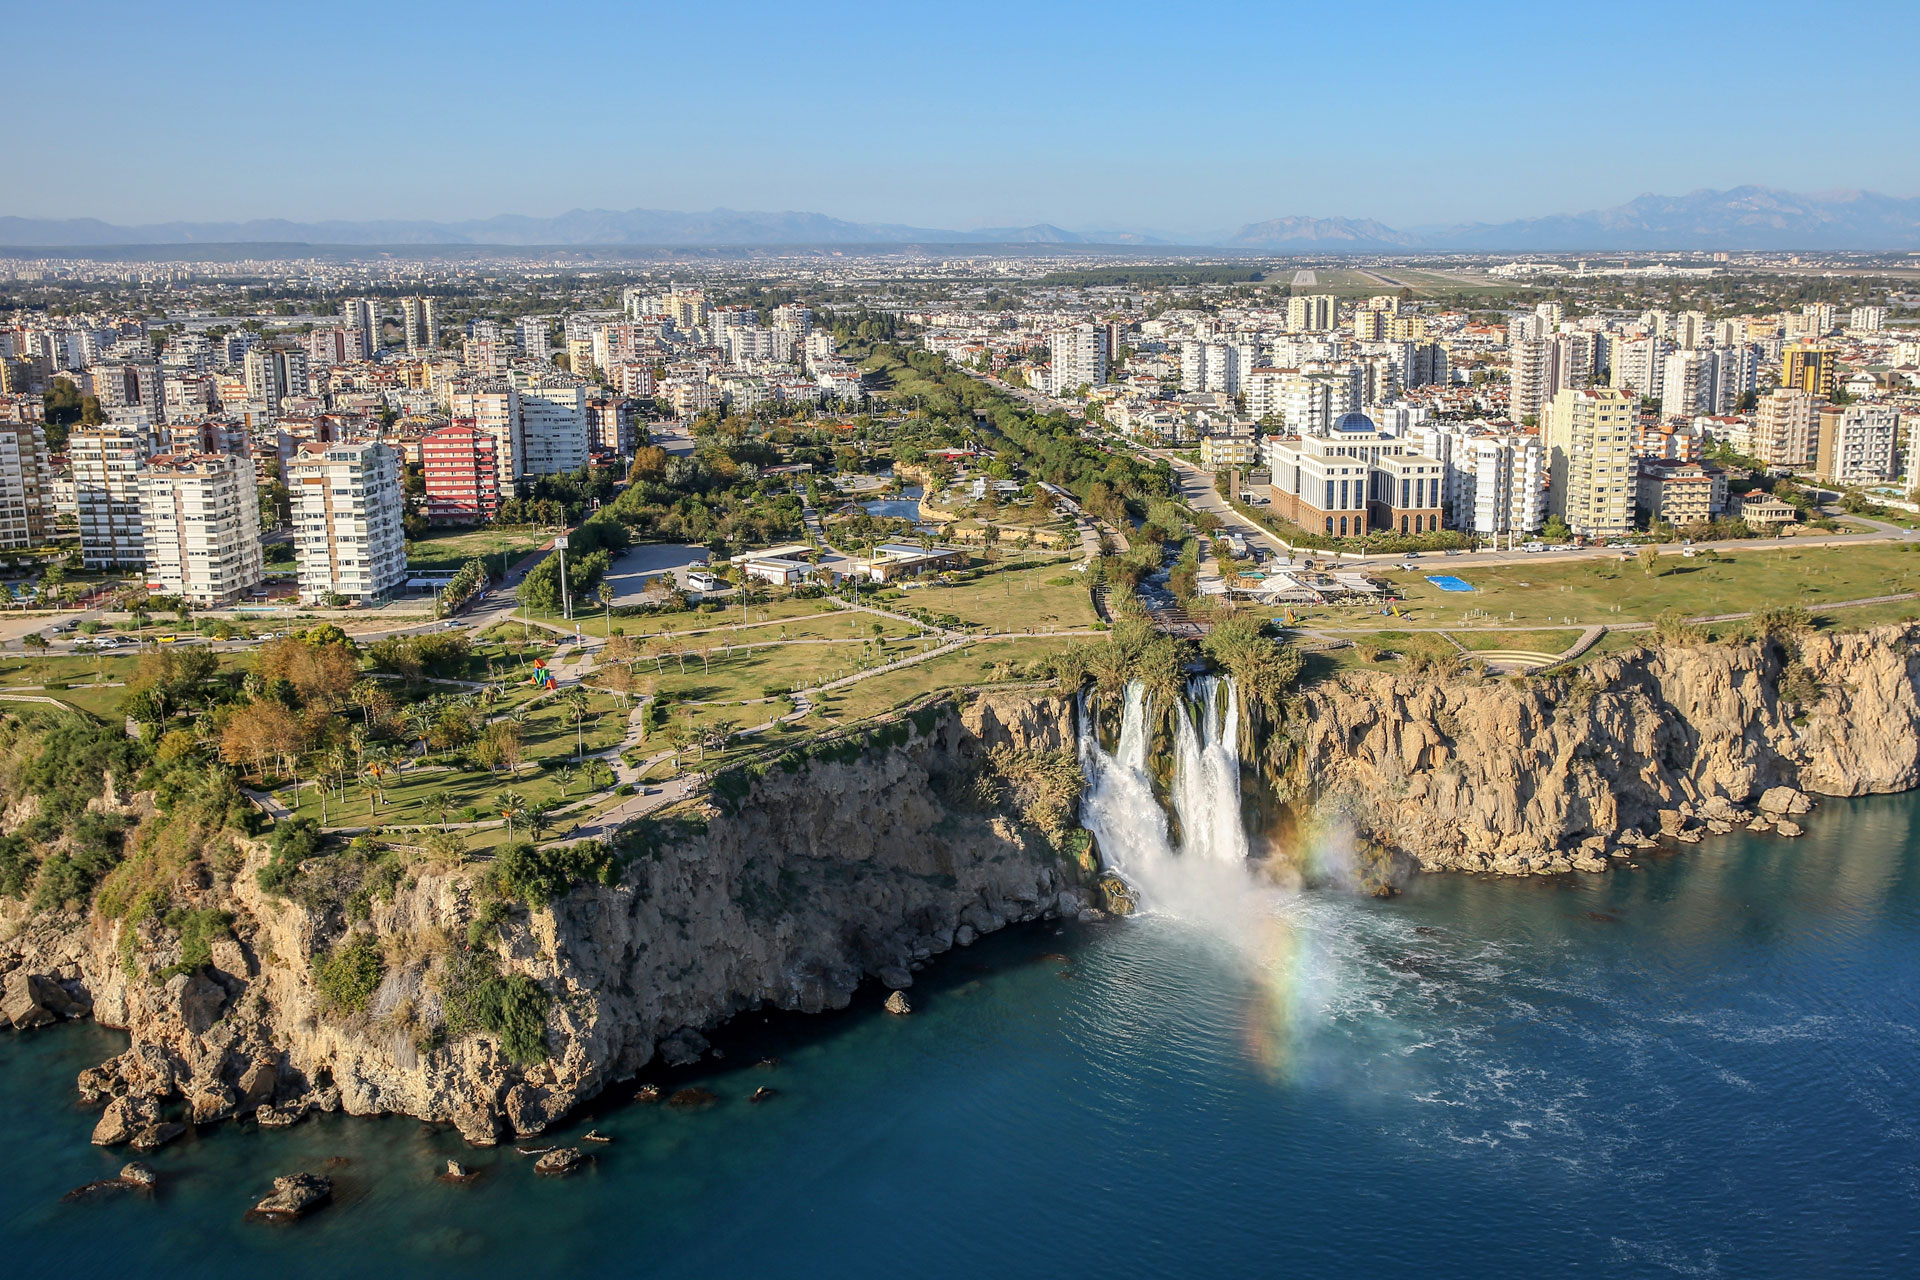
(347, 976)
(537, 876)
(294, 842)
(478, 998)
(198, 928)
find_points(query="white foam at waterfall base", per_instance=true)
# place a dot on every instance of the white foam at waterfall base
(1206, 878)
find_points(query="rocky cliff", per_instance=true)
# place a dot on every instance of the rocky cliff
(824, 872)
(1552, 774)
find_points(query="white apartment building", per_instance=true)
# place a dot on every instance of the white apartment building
(1078, 357)
(1859, 444)
(533, 335)
(364, 315)
(200, 523)
(1500, 485)
(420, 323)
(106, 488)
(1686, 384)
(553, 427)
(26, 486)
(1588, 436)
(348, 540)
(1867, 319)
(1636, 364)
(1310, 313)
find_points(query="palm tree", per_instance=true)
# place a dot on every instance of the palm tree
(579, 707)
(439, 805)
(567, 774)
(511, 805)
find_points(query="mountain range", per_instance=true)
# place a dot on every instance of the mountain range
(1743, 218)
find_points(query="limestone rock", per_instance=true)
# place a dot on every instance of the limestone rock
(256, 1086)
(560, 1160)
(691, 1098)
(1788, 827)
(683, 1048)
(155, 1136)
(295, 1195)
(1779, 800)
(286, 1113)
(124, 1117)
(527, 1109)
(897, 1003)
(209, 1104)
(763, 1094)
(30, 1000)
(135, 1173)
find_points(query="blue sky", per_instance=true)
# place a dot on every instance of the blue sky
(1182, 117)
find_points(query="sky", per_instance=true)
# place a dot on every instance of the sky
(1169, 117)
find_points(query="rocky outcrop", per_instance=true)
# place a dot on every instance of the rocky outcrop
(295, 1195)
(1556, 773)
(853, 864)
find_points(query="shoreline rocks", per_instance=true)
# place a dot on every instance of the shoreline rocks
(560, 1161)
(295, 1196)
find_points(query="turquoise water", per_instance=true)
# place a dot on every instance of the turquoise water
(1706, 1067)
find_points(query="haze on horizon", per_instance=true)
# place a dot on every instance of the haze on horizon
(1113, 116)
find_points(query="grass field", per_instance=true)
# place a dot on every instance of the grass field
(985, 663)
(1610, 591)
(1014, 599)
(451, 548)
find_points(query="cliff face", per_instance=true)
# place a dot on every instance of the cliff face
(1548, 775)
(840, 871)
(864, 863)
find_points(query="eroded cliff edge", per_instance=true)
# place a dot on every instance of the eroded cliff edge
(832, 869)
(828, 869)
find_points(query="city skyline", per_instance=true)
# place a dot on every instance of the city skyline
(1114, 118)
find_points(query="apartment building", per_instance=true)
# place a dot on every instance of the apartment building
(1078, 357)
(363, 315)
(1500, 484)
(554, 431)
(1310, 313)
(419, 324)
(1679, 492)
(494, 411)
(200, 527)
(1588, 435)
(1225, 450)
(106, 466)
(1858, 444)
(1809, 367)
(348, 539)
(1785, 429)
(462, 469)
(26, 486)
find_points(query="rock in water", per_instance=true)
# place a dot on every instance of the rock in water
(687, 1098)
(125, 1117)
(155, 1136)
(594, 1135)
(1788, 827)
(295, 1195)
(762, 1094)
(560, 1160)
(136, 1174)
(456, 1172)
(29, 1000)
(897, 1003)
(647, 1093)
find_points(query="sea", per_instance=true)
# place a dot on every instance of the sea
(1708, 1065)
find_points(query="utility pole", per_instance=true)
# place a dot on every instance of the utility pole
(566, 599)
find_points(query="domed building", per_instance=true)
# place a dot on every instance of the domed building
(1355, 480)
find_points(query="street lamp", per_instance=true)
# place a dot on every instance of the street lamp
(566, 598)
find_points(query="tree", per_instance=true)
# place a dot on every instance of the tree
(579, 707)
(511, 805)
(1556, 530)
(1649, 556)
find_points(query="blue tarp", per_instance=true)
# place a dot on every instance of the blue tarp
(1447, 582)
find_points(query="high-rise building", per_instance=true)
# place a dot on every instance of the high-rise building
(462, 469)
(1867, 319)
(1785, 429)
(362, 314)
(1079, 357)
(1858, 444)
(274, 373)
(615, 426)
(200, 526)
(1310, 313)
(26, 486)
(1501, 484)
(494, 411)
(420, 324)
(348, 539)
(1685, 384)
(553, 427)
(1809, 367)
(1531, 366)
(532, 334)
(1636, 364)
(1588, 436)
(106, 487)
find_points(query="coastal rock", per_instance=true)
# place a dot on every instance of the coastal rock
(1788, 827)
(692, 1098)
(124, 1117)
(155, 1136)
(295, 1195)
(560, 1160)
(30, 1000)
(683, 1048)
(209, 1103)
(527, 1109)
(763, 1094)
(256, 1086)
(455, 1172)
(137, 1174)
(897, 1003)
(286, 1113)
(1779, 800)
(97, 1084)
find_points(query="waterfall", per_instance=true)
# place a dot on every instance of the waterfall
(1206, 773)
(1119, 806)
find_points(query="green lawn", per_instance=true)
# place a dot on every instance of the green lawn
(451, 548)
(987, 662)
(1011, 598)
(1610, 590)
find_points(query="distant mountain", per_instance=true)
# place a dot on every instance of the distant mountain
(1750, 218)
(578, 227)
(1745, 218)
(1321, 235)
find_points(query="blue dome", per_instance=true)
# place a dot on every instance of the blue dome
(1354, 422)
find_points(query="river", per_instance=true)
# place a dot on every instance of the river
(1704, 1067)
